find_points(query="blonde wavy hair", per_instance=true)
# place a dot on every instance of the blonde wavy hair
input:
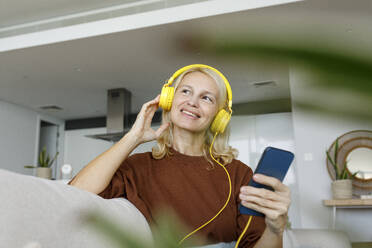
(221, 150)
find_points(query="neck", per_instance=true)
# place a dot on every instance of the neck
(187, 142)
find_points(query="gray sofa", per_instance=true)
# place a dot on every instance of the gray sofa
(39, 213)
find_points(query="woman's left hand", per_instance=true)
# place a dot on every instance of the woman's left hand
(273, 204)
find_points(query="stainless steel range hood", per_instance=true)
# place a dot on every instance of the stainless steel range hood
(117, 119)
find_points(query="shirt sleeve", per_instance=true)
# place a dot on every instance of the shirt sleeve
(117, 186)
(257, 225)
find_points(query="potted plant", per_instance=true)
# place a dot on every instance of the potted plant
(342, 187)
(44, 169)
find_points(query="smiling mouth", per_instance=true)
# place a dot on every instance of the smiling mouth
(190, 114)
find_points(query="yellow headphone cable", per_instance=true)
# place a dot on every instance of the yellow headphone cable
(218, 126)
(227, 201)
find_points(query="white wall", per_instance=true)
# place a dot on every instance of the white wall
(80, 150)
(19, 134)
(17, 137)
(314, 133)
(252, 134)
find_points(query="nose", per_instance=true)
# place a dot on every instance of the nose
(193, 102)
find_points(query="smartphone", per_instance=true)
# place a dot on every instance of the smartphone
(274, 162)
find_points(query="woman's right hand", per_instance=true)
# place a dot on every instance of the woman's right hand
(141, 128)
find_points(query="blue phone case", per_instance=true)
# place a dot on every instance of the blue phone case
(274, 162)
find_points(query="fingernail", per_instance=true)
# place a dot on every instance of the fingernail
(256, 176)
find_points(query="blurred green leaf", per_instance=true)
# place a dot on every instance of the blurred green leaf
(338, 64)
(42, 156)
(52, 161)
(333, 69)
(122, 238)
(30, 166)
(46, 162)
(167, 232)
(333, 164)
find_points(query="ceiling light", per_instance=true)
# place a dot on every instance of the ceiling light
(51, 108)
(264, 83)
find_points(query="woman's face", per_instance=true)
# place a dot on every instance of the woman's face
(195, 102)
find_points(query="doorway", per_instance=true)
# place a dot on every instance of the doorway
(49, 138)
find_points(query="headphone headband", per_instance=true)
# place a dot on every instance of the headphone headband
(183, 69)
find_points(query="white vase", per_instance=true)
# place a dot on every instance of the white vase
(44, 172)
(342, 189)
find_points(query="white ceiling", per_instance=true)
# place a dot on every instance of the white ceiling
(23, 11)
(75, 75)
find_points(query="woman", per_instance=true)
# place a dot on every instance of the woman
(179, 172)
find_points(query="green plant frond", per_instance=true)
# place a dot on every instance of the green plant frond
(166, 234)
(51, 162)
(336, 151)
(327, 61)
(30, 166)
(46, 162)
(344, 174)
(169, 231)
(122, 238)
(354, 174)
(41, 158)
(335, 68)
(333, 164)
(347, 175)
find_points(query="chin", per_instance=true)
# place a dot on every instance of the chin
(191, 127)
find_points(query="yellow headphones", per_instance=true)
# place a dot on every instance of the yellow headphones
(222, 118)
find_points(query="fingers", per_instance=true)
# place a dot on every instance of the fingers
(271, 203)
(148, 109)
(270, 213)
(273, 182)
(151, 109)
(146, 113)
(153, 102)
(276, 202)
(264, 193)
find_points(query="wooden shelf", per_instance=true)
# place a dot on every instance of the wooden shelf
(348, 202)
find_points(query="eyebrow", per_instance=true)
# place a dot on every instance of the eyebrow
(205, 91)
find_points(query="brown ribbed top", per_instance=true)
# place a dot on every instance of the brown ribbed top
(189, 186)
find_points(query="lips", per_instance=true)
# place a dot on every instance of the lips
(190, 113)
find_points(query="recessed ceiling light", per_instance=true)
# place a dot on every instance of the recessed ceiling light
(264, 83)
(51, 108)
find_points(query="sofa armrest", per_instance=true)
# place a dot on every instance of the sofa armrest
(49, 213)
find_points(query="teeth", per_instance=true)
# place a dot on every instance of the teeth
(189, 113)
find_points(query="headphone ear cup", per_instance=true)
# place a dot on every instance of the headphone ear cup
(221, 121)
(166, 98)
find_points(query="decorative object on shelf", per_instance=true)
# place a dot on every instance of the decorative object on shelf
(342, 187)
(44, 169)
(66, 172)
(350, 156)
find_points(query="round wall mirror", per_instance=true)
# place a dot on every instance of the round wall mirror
(354, 149)
(359, 162)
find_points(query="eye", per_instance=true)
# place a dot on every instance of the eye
(207, 98)
(185, 91)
